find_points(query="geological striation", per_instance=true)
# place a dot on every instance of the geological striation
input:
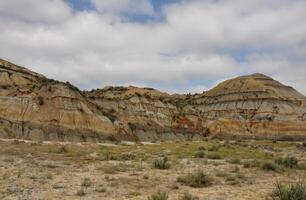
(37, 108)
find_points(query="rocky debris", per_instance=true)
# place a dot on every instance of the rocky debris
(35, 107)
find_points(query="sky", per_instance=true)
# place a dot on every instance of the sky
(177, 46)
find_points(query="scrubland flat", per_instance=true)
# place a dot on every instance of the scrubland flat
(208, 170)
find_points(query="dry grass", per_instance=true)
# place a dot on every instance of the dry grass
(103, 171)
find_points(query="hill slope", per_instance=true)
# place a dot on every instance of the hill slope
(35, 107)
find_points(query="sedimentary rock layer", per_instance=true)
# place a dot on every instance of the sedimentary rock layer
(35, 107)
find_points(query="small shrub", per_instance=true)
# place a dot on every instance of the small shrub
(200, 154)
(161, 163)
(81, 192)
(251, 163)
(100, 190)
(62, 149)
(40, 100)
(221, 174)
(86, 182)
(231, 178)
(109, 156)
(290, 192)
(159, 196)
(188, 196)
(214, 156)
(214, 148)
(270, 166)
(241, 175)
(289, 161)
(198, 179)
(302, 166)
(201, 148)
(127, 156)
(234, 161)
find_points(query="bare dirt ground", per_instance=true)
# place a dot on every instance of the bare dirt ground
(37, 170)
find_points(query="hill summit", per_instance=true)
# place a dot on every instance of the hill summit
(35, 107)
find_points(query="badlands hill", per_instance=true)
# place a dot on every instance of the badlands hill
(35, 107)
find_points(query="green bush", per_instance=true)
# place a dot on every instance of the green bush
(290, 192)
(270, 166)
(289, 161)
(188, 196)
(198, 179)
(158, 196)
(86, 182)
(200, 154)
(109, 156)
(161, 163)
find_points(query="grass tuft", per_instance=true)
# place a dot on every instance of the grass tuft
(161, 163)
(290, 192)
(86, 182)
(289, 161)
(197, 179)
(270, 166)
(188, 196)
(159, 196)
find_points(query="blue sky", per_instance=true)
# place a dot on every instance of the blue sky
(87, 5)
(172, 45)
(81, 5)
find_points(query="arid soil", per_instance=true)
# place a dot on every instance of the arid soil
(42, 170)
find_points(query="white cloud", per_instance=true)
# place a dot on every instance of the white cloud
(192, 48)
(32, 11)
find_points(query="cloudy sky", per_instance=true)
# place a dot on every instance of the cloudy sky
(172, 45)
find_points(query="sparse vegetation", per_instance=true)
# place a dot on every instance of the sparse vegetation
(214, 156)
(81, 192)
(214, 148)
(101, 189)
(289, 161)
(200, 154)
(251, 163)
(127, 156)
(289, 192)
(86, 182)
(159, 196)
(40, 100)
(62, 149)
(188, 196)
(270, 166)
(161, 163)
(124, 170)
(234, 161)
(197, 179)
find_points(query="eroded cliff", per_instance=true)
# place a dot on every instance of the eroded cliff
(35, 107)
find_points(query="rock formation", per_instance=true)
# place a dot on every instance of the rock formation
(35, 107)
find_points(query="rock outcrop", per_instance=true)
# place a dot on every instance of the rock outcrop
(254, 105)
(35, 107)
